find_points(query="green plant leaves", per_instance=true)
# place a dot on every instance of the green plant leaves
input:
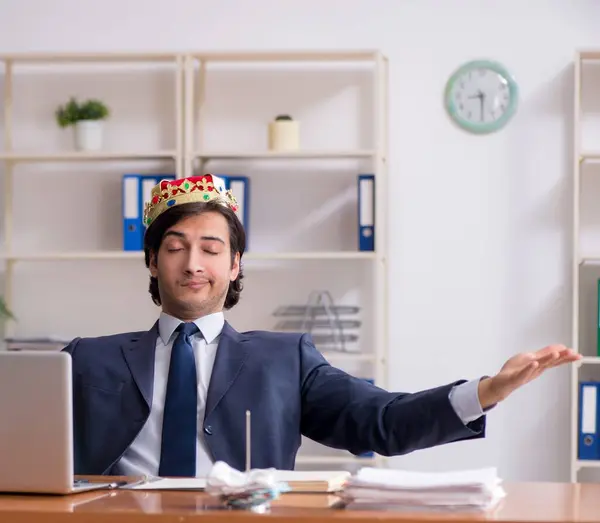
(73, 111)
(4, 310)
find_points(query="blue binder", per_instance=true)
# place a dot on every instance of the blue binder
(240, 187)
(589, 442)
(220, 182)
(136, 192)
(366, 212)
(132, 217)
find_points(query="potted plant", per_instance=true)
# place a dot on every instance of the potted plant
(87, 119)
(5, 314)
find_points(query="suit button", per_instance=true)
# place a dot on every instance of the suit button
(208, 430)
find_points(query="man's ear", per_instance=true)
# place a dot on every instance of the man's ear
(152, 265)
(235, 267)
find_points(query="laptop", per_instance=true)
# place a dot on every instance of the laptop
(36, 424)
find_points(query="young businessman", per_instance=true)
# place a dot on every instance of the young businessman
(172, 400)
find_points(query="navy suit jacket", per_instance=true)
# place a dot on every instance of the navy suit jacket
(281, 378)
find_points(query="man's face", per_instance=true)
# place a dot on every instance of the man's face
(193, 267)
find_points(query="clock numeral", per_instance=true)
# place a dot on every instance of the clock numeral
(470, 115)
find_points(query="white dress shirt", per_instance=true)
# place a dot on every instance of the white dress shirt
(143, 456)
(464, 399)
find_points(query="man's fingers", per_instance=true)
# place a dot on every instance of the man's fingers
(549, 359)
(551, 348)
(567, 356)
(551, 356)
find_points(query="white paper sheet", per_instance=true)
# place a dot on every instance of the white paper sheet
(172, 484)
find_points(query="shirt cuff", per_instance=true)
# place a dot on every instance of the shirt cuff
(465, 401)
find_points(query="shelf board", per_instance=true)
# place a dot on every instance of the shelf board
(89, 57)
(299, 55)
(590, 156)
(589, 55)
(266, 155)
(589, 360)
(317, 255)
(75, 255)
(287, 56)
(85, 156)
(591, 259)
(138, 255)
(77, 156)
(582, 463)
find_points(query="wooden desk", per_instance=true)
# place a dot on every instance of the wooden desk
(527, 502)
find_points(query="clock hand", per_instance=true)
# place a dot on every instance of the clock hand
(482, 100)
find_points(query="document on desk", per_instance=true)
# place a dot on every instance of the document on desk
(475, 489)
(298, 481)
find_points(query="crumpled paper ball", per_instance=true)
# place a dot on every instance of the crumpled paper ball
(244, 490)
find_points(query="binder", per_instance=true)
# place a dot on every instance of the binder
(220, 182)
(240, 187)
(148, 182)
(598, 319)
(132, 215)
(136, 192)
(589, 442)
(366, 212)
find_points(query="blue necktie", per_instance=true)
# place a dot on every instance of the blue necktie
(179, 431)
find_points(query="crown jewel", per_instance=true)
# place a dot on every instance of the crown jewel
(168, 193)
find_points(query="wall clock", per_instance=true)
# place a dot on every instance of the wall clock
(481, 96)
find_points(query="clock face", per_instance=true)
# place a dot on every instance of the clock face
(481, 96)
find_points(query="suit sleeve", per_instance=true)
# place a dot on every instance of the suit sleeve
(70, 348)
(345, 412)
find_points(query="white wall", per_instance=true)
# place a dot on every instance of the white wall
(479, 225)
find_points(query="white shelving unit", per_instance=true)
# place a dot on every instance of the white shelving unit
(586, 249)
(191, 156)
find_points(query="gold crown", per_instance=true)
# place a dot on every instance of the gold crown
(168, 193)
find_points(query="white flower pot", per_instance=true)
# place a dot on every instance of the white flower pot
(284, 135)
(88, 135)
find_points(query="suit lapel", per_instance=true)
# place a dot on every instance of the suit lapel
(139, 354)
(231, 355)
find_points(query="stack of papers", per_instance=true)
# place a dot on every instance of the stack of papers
(461, 490)
(313, 480)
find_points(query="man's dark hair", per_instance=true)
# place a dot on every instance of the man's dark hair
(237, 240)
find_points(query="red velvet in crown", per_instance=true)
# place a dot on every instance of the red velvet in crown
(169, 193)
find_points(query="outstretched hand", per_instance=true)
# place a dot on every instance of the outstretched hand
(522, 369)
